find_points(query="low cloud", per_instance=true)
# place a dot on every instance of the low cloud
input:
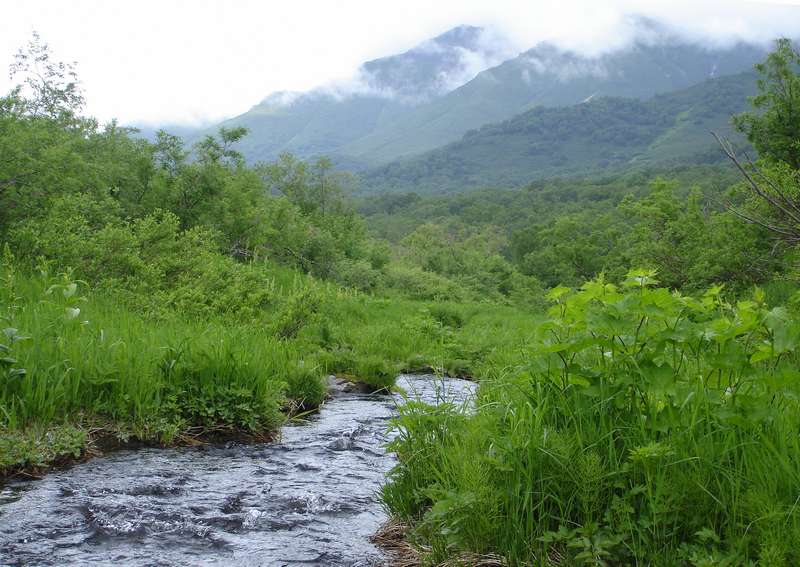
(201, 60)
(431, 69)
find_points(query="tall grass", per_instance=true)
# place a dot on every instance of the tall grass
(76, 352)
(75, 358)
(644, 428)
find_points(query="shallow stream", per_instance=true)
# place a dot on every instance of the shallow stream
(308, 499)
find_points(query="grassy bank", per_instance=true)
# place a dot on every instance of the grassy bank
(81, 368)
(643, 427)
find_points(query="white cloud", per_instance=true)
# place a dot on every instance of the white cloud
(199, 60)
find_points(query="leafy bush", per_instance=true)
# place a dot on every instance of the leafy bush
(304, 386)
(647, 427)
(416, 283)
(161, 267)
(357, 274)
(300, 309)
(447, 315)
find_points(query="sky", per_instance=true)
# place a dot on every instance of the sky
(198, 61)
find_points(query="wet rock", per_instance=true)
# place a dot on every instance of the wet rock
(338, 386)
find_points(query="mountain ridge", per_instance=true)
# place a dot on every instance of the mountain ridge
(413, 102)
(600, 135)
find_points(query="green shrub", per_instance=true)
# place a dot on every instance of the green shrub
(646, 427)
(304, 386)
(416, 283)
(375, 371)
(447, 315)
(300, 309)
(357, 274)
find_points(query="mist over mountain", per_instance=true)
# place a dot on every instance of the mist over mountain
(431, 95)
(326, 119)
(548, 76)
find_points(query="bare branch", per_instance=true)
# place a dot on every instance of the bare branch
(785, 206)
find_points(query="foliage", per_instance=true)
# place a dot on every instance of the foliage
(220, 387)
(645, 427)
(49, 88)
(371, 129)
(773, 126)
(774, 129)
(563, 232)
(597, 136)
(163, 292)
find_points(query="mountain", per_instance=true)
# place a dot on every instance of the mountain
(328, 118)
(599, 134)
(433, 94)
(547, 76)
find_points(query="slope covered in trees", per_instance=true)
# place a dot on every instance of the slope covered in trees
(431, 95)
(607, 135)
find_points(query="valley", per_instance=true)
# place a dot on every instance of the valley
(482, 303)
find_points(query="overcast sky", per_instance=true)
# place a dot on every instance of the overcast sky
(191, 61)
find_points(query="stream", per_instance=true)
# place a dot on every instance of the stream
(310, 498)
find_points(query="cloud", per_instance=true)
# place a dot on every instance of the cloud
(190, 61)
(434, 67)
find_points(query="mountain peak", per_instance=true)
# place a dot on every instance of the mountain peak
(460, 36)
(436, 66)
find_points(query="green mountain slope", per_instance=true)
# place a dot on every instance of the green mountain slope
(547, 76)
(406, 104)
(601, 134)
(324, 120)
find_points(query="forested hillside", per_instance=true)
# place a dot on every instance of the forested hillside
(602, 135)
(548, 76)
(431, 95)
(325, 120)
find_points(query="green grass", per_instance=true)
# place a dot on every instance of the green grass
(80, 359)
(630, 425)
(640, 427)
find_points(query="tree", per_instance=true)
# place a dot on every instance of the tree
(774, 130)
(48, 88)
(314, 187)
(220, 151)
(774, 126)
(168, 153)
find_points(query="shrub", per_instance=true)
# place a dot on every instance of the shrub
(447, 315)
(300, 309)
(647, 427)
(416, 283)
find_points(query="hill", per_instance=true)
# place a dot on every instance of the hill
(548, 76)
(600, 135)
(406, 104)
(326, 119)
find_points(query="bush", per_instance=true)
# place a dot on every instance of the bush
(416, 283)
(357, 274)
(447, 315)
(300, 309)
(305, 387)
(158, 267)
(646, 428)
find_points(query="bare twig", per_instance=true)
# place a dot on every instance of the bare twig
(786, 207)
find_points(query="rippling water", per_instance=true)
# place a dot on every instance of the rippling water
(309, 499)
